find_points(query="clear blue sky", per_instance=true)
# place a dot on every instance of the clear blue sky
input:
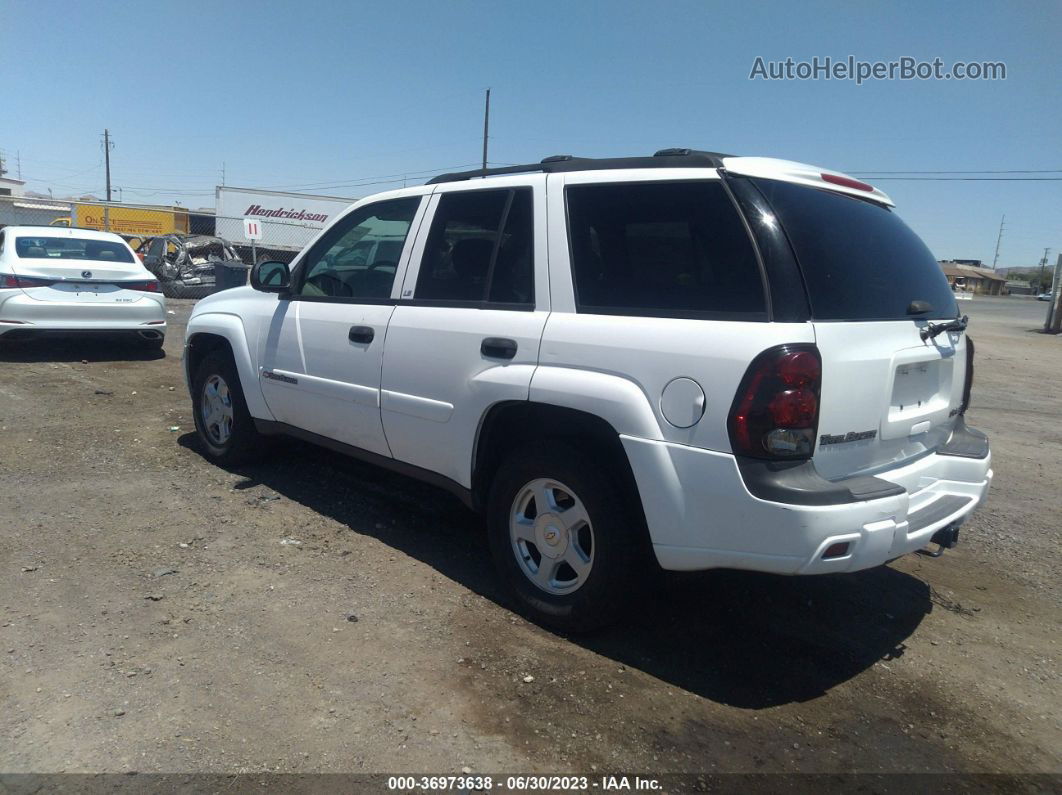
(330, 93)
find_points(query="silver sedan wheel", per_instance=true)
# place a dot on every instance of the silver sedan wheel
(216, 410)
(551, 536)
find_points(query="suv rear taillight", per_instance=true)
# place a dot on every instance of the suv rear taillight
(775, 413)
(26, 281)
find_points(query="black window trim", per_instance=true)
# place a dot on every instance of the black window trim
(485, 303)
(299, 271)
(445, 303)
(784, 279)
(679, 314)
(342, 299)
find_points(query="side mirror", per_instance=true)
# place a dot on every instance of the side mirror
(271, 277)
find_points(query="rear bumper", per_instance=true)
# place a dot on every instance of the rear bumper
(701, 514)
(20, 313)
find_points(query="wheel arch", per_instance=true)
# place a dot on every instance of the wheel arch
(508, 425)
(221, 332)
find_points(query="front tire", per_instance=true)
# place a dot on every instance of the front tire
(224, 425)
(563, 537)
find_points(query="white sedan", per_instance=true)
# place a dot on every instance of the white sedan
(56, 281)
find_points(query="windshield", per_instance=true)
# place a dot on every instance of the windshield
(72, 248)
(859, 260)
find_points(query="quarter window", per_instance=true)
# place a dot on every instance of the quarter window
(358, 257)
(479, 250)
(674, 249)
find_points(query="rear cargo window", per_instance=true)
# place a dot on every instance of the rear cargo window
(859, 260)
(676, 249)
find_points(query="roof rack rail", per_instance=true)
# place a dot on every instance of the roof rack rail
(665, 158)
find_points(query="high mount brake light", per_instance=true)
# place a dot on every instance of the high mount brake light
(846, 182)
(775, 414)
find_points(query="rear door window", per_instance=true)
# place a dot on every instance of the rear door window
(479, 250)
(859, 260)
(676, 249)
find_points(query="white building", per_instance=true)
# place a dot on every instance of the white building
(12, 187)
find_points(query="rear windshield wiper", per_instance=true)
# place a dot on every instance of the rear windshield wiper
(933, 330)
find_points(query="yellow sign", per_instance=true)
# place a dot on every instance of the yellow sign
(131, 220)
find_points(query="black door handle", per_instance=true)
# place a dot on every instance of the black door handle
(498, 348)
(361, 334)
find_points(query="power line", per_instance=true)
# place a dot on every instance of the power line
(959, 179)
(354, 183)
(367, 182)
(967, 171)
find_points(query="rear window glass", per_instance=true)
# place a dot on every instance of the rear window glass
(859, 260)
(72, 248)
(676, 249)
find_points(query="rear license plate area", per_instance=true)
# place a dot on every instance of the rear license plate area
(916, 390)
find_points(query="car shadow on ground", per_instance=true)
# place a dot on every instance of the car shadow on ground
(738, 638)
(73, 349)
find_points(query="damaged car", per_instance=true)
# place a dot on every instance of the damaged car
(185, 264)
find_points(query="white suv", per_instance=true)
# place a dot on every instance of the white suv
(708, 360)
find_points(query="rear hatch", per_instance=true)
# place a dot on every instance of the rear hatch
(72, 269)
(890, 391)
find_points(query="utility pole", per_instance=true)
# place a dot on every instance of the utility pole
(1053, 324)
(4, 170)
(998, 241)
(486, 130)
(223, 173)
(18, 160)
(107, 158)
(1043, 264)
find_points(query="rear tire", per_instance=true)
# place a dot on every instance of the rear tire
(223, 424)
(564, 538)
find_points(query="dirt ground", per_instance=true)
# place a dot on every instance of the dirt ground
(315, 614)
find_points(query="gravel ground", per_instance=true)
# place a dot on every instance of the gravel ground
(314, 614)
